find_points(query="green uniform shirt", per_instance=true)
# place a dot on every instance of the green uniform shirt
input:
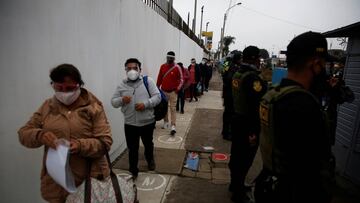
(247, 90)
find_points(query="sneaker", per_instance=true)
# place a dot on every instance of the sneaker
(151, 165)
(173, 130)
(196, 99)
(166, 125)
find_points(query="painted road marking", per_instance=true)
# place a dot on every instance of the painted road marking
(183, 118)
(147, 182)
(220, 157)
(167, 139)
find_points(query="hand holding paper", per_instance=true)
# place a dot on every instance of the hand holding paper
(57, 165)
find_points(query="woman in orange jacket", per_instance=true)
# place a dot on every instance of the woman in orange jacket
(76, 115)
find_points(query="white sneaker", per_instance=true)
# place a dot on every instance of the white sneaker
(166, 125)
(173, 130)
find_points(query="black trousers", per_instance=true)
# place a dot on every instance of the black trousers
(207, 81)
(180, 100)
(133, 135)
(242, 155)
(227, 117)
(193, 91)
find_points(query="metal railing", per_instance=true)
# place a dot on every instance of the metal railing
(164, 9)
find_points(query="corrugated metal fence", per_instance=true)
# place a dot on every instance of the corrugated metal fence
(164, 9)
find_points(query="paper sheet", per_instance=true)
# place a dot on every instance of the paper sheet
(57, 165)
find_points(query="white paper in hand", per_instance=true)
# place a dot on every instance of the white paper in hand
(57, 165)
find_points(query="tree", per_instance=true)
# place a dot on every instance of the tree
(264, 54)
(227, 41)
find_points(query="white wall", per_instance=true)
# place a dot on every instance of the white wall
(97, 37)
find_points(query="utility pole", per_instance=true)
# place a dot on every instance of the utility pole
(170, 8)
(194, 20)
(188, 20)
(223, 28)
(202, 12)
(207, 25)
(222, 37)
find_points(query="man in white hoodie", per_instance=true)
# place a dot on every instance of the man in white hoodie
(137, 104)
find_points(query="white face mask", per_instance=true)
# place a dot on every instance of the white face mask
(68, 98)
(133, 74)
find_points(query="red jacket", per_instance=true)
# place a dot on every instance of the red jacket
(173, 81)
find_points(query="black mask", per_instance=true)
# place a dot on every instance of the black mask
(170, 60)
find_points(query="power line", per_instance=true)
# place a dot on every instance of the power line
(279, 19)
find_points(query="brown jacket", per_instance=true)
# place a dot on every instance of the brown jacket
(85, 120)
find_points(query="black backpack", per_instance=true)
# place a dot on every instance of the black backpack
(161, 109)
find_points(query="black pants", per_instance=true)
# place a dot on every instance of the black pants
(242, 156)
(227, 117)
(132, 135)
(180, 100)
(193, 91)
(202, 85)
(207, 81)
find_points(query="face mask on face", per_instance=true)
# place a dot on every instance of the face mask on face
(170, 60)
(68, 98)
(133, 74)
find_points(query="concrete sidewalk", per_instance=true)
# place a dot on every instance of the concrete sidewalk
(153, 187)
(210, 183)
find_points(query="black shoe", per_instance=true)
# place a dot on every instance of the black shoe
(196, 99)
(239, 199)
(134, 176)
(190, 100)
(230, 188)
(227, 137)
(182, 111)
(151, 165)
(172, 133)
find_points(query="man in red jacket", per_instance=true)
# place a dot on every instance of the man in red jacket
(170, 80)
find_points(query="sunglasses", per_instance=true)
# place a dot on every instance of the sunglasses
(59, 87)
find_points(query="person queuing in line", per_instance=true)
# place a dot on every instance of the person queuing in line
(247, 90)
(180, 103)
(203, 73)
(137, 104)
(208, 75)
(195, 77)
(301, 158)
(227, 94)
(170, 80)
(77, 116)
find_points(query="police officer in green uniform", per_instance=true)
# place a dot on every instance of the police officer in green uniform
(294, 141)
(247, 90)
(233, 66)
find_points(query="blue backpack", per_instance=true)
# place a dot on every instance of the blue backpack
(161, 109)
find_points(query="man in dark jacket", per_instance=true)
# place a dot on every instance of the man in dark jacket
(227, 94)
(300, 161)
(195, 77)
(247, 90)
(203, 72)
